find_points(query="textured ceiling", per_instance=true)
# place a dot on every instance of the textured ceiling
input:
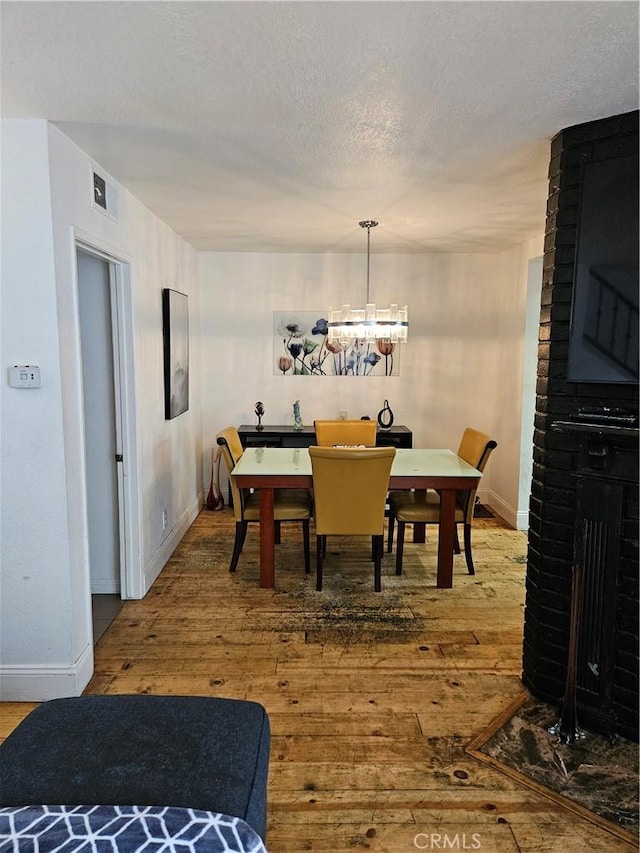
(276, 126)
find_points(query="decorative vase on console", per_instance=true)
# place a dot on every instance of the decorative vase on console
(259, 415)
(385, 416)
(297, 417)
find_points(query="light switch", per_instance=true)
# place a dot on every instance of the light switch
(24, 376)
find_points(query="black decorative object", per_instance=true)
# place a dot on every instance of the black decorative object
(385, 416)
(259, 414)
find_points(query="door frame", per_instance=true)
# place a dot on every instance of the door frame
(131, 574)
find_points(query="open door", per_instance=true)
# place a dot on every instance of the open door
(106, 338)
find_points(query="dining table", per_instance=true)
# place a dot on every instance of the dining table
(270, 468)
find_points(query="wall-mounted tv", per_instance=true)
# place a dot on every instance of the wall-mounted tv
(603, 342)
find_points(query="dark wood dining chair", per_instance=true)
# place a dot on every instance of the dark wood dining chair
(411, 507)
(289, 504)
(349, 489)
(345, 433)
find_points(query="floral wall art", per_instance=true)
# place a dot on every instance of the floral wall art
(301, 348)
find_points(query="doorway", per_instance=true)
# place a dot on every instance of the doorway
(98, 384)
(103, 445)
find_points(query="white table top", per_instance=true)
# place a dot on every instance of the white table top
(287, 460)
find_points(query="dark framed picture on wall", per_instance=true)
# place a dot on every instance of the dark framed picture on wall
(175, 332)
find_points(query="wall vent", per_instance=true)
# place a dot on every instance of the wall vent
(105, 195)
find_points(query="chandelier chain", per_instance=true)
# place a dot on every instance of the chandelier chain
(368, 224)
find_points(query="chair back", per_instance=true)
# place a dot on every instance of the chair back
(347, 433)
(475, 448)
(350, 488)
(229, 441)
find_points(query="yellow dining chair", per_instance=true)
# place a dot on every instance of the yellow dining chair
(409, 507)
(288, 504)
(349, 489)
(345, 433)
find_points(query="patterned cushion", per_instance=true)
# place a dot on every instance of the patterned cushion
(124, 828)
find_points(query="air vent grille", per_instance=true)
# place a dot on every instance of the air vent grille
(105, 195)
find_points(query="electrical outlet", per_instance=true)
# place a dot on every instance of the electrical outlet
(164, 519)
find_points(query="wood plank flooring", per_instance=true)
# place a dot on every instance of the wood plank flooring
(372, 696)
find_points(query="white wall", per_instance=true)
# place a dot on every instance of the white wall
(462, 366)
(516, 318)
(45, 640)
(529, 381)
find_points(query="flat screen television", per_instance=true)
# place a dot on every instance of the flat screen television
(603, 340)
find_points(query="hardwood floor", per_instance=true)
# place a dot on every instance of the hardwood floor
(372, 696)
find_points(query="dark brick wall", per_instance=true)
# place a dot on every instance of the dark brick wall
(552, 507)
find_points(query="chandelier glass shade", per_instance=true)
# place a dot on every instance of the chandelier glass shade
(369, 323)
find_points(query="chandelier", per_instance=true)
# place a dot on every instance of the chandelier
(369, 323)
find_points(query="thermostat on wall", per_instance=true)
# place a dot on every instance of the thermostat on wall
(24, 376)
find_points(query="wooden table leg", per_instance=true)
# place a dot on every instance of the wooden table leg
(446, 531)
(420, 530)
(267, 551)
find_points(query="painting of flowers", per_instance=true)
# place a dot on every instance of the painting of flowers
(302, 348)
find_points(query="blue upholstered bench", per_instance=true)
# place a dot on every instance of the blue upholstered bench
(186, 751)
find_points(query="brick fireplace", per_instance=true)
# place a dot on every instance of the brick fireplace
(585, 481)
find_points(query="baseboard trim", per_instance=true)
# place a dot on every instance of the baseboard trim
(169, 545)
(105, 587)
(503, 509)
(39, 683)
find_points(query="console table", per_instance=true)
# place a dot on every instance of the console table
(287, 436)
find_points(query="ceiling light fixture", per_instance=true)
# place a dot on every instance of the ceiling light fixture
(369, 323)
